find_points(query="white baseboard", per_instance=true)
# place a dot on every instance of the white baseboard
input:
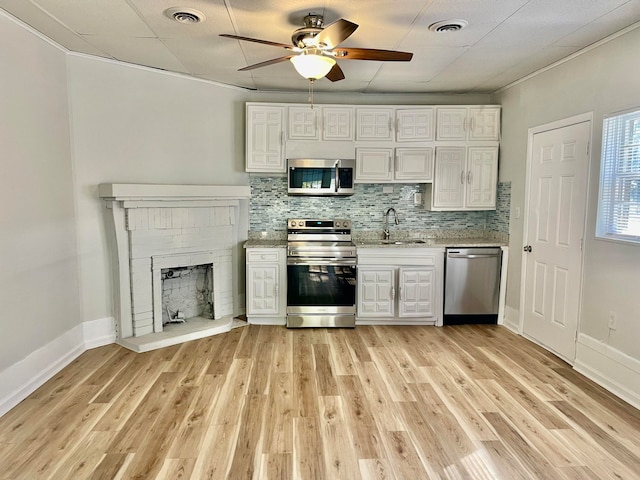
(22, 378)
(512, 319)
(610, 368)
(97, 333)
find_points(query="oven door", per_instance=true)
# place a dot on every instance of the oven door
(321, 292)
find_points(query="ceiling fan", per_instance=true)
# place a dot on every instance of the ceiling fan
(314, 49)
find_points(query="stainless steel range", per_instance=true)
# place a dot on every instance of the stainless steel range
(321, 273)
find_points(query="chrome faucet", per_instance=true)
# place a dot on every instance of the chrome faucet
(386, 221)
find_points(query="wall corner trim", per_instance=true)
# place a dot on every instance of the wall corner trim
(608, 367)
(22, 378)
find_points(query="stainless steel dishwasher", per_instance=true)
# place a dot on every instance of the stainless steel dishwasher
(472, 285)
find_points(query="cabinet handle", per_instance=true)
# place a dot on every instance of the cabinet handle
(464, 124)
(469, 177)
(393, 293)
(462, 175)
(277, 289)
(282, 138)
(472, 124)
(400, 293)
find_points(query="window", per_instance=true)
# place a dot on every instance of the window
(619, 202)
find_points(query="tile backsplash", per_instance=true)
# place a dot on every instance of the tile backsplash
(270, 207)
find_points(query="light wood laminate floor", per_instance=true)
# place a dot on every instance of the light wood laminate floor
(464, 402)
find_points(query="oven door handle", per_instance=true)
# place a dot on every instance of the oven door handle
(322, 261)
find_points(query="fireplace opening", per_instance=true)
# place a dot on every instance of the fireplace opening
(187, 292)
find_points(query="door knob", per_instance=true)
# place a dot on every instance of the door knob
(527, 248)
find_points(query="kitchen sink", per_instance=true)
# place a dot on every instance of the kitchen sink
(401, 242)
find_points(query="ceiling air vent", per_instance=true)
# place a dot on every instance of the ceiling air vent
(448, 26)
(185, 15)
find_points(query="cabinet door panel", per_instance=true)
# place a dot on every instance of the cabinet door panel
(482, 177)
(414, 164)
(485, 123)
(417, 292)
(374, 164)
(263, 289)
(451, 123)
(374, 123)
(415, 125)
(337, 123)
(449, 178)
(265, 151)
(376, 292)
(303, 123)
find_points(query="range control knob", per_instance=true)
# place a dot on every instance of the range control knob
(293, 223)
(301, 223)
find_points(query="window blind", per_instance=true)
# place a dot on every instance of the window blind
(619, 202)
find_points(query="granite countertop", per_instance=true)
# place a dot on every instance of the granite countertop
(432, 243)
(406, 239)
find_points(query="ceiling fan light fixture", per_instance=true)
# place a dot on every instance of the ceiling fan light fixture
(312, 66)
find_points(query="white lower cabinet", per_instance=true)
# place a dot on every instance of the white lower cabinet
(266, 286)
(400, 285)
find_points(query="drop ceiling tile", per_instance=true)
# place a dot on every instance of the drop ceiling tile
(216, 19)
(48, 26)
(482, 16)
(149, 52)
(97, 17)
(614, 21)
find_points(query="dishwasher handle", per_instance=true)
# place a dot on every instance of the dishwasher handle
(472, 255)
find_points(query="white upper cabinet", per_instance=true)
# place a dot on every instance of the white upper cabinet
(465, 178)
(414, 164)
(374, 124)
(337, 123)
(303, 123)
(415, 125)
(265, 138)
(374, 165)
(468, 123)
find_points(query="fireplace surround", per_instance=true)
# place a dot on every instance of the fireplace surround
(162, 227)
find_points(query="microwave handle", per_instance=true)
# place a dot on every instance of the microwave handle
(337, 182)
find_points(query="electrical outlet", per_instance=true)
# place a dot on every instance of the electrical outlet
(612, 321)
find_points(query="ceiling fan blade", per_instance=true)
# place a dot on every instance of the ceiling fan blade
(372, 54)
(256, 40)
(335, 73)
(266, 63)
(335, 33)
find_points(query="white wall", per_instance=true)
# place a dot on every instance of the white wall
(39, 295)
(138, 125)
(601, 81)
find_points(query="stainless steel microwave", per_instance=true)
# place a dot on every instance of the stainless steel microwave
(320, 177)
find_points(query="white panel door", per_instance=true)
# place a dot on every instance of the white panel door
(555, 229)
(416, 292)
(376, 291)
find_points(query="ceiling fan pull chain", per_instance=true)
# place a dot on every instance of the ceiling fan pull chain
(311, 92)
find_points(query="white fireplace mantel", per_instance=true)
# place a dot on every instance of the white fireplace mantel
(148, 221)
